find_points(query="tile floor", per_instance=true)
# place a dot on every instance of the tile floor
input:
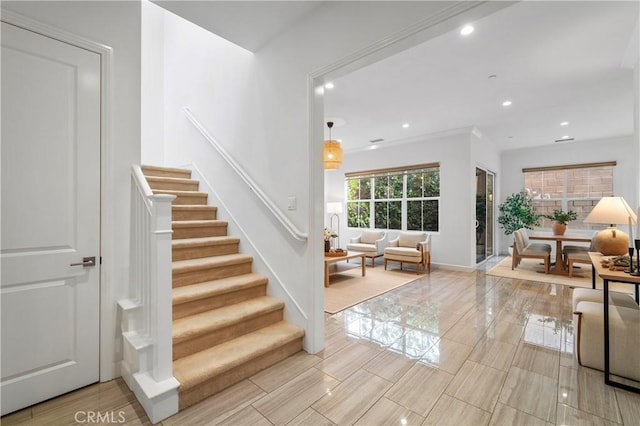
(452, 348)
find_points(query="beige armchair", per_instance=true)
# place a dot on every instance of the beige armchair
(624, 332)
(410, 247)
(523, 248)
(371, 242)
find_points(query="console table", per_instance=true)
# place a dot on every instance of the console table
(612, 276)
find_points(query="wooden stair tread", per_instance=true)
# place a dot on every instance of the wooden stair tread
(204, 241)
(179, 193)
(192, 207)
(148, 170)
(209, 262)
(216, 319)
(197, 223)
(217, 287)
(204, 365)
(169, 179)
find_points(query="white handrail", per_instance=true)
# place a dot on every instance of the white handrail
(271, 206)
(141, 183)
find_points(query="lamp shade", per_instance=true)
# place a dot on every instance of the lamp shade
(611, 210)
(332, 155)
(334, 208)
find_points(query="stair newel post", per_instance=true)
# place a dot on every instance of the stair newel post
(160, 269)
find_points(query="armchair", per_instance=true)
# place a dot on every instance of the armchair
(371, 242)
(522, 248)
(410, 247)
(577, 254)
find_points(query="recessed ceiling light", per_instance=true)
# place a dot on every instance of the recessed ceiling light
(566, 137)
(506, 103)
(373, 147)
(466, 30)
(564, 123)
(405, 125)
(329, 85)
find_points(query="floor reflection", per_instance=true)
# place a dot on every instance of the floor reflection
(549, 332)
(407, 329)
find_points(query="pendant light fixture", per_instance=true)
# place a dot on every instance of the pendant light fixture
(332, 152)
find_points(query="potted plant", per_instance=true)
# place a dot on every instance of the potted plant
(560, 219)
(517, 212)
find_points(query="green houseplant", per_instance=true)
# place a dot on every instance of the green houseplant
(560, 219)
(517, 212)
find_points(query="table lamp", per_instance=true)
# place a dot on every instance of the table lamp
(612, 211)
(335, 209)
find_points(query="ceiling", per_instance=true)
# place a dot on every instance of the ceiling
(249, 24)
(556, 62)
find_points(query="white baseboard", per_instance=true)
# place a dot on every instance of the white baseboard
(159, 399)
(457, 268)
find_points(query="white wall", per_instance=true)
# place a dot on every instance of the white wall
(152, 84)
(622, 150)
(457, 192)
(636, 141)
(114, 24)
(258, 107)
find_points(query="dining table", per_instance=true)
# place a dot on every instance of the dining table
(558, 268)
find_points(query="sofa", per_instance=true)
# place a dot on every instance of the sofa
(410, 247)
(624, 332)
(371, 242)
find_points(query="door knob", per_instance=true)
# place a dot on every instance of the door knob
(86, 262)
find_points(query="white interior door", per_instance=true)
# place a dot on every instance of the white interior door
(50, 211)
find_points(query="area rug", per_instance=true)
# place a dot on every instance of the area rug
(533, 270)
(347, 288)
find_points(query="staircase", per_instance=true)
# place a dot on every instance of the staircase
(225, 327)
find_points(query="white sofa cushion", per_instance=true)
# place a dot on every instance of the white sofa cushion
(363, 248)
(624, 300)
(411, 239)
(370, 237)
(410, 253)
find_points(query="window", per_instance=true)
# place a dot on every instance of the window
(388, 201)
(358, 206)
(400, 198)
(423, 193)
(573, 187)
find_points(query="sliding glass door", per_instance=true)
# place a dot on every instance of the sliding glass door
(485, 181)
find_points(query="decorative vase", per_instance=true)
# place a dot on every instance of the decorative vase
(327, 246)
(558, 228)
